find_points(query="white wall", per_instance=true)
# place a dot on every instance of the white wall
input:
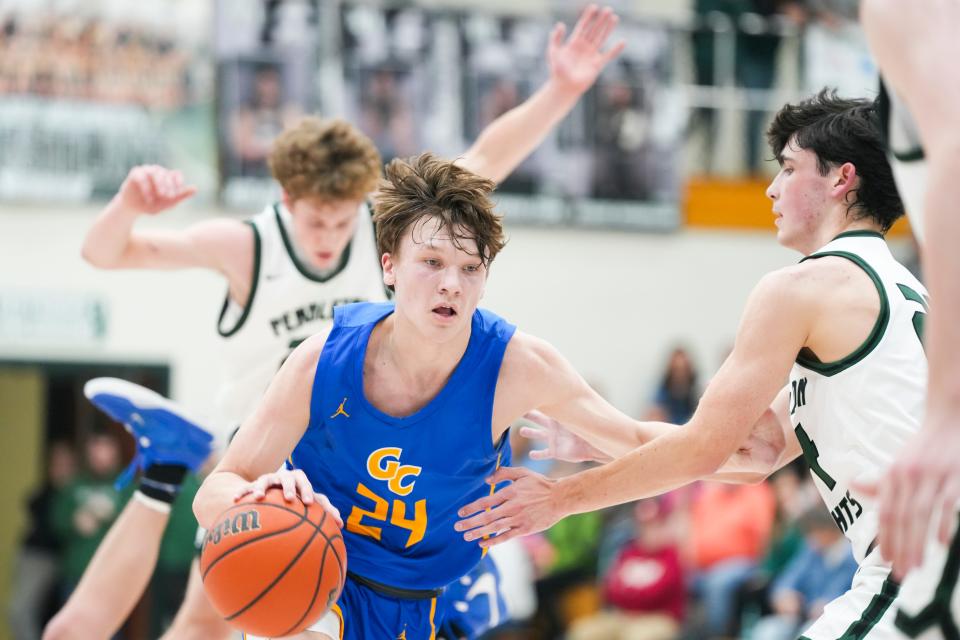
(613, 303)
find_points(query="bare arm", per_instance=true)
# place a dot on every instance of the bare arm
(112, 243)
(266, 439)
(601, 433)
(916, 51)
(574, 66)
(774, 327)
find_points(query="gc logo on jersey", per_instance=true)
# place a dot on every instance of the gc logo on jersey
(384, 464)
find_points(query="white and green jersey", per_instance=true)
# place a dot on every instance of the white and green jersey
(288, 303)
(853, 416)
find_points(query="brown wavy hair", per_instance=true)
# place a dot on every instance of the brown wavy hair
(328, 159)
(425, 186)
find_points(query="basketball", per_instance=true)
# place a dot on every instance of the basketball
(272, 568)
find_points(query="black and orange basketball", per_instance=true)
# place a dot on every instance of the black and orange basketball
(273, 568)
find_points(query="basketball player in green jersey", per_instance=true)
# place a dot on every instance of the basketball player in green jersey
(842, 327)
(322, 225)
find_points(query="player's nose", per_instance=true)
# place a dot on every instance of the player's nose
(450, 281)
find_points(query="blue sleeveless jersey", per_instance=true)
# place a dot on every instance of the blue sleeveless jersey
(398, 482)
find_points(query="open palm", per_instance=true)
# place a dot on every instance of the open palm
(578, 61)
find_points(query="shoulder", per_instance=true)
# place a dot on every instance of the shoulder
(536, 370)
(304, 359)
(529, 354)
(806, 282)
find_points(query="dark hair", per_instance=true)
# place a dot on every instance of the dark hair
(425, 186)
(839, 130)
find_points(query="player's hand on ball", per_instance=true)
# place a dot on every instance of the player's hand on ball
(527, 505)
(152, 188)
(294, 484)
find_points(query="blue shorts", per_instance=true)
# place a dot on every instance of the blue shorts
(362, 612)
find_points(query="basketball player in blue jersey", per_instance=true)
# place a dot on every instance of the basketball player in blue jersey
(399, 412)
(285, 271)
(916, 48)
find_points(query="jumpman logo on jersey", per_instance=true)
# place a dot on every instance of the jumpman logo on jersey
(403, 635)
(340, 411)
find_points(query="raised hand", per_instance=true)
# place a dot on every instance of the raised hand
(576, 62)
(152, 189)
(561, 443)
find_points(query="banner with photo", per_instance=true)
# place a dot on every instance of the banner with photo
(88, 90)
(615, 161)
(266, 55)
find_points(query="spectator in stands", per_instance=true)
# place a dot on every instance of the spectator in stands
(622, 136)
(821, 572)
(754, 61)
(644, 587)
(795, 495)
(729, 529)
(259, 120)
(565, 557)
(36, 568)
(385, 115)
(86, 507)
(677, 395)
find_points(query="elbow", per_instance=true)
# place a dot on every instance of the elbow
(91, 257)
(709, 458)
(200, 508)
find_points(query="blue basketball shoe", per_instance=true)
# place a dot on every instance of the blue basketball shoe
(163, 431)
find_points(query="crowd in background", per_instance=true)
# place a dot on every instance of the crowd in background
(65, 57)
(68, 516)
(415, 78)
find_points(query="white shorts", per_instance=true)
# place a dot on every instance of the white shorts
(926, 606)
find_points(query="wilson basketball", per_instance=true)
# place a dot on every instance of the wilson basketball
(273, 568)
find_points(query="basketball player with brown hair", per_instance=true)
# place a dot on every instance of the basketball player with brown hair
(428, 384)
(286, 269)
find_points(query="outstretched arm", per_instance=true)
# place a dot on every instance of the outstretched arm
(916, 51)
(575, 64)
(769, 446)
(774, 328)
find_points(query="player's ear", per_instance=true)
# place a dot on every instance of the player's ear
(389, 276)
(846, 178)
(285, 199)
